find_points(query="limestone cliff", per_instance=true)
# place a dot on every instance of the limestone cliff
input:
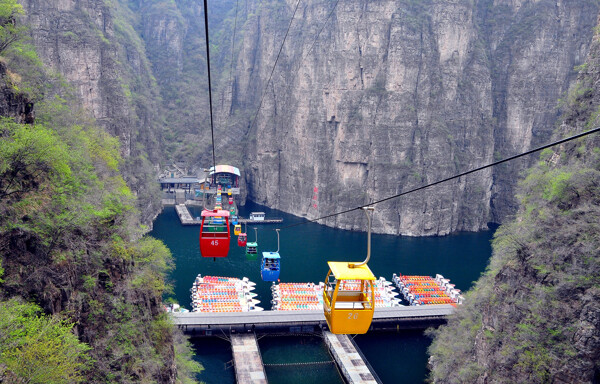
(396, 94)
(92, 44)
(393, 95)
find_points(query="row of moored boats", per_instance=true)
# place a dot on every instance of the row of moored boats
(425, 290)
(223, 294)
(230, 294)
(309, 296)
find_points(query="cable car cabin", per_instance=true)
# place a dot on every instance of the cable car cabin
(214, 233)
(234, 219)
(251, 251)
(237, 229)
(348, 298)
(230, 200)
(270, 266)
(242, 239)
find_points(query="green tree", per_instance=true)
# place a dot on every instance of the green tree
(11, 33)
(36, 348)
(29, 155)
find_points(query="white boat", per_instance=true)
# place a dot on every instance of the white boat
(257, 216)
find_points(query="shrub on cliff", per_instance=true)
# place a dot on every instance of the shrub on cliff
(36, 348)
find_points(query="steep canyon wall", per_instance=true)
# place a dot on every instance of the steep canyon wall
(393, 95)
(396, 94)
(93, 45)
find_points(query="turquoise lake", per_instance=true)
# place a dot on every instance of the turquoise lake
(396, 357)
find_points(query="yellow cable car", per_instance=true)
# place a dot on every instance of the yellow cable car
(348, 295)
(237, 229)
(348, 298)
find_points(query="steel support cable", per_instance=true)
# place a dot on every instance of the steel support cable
(212, 130)
(319, 33)
(274, 65)
(562, 141)
(233, 42)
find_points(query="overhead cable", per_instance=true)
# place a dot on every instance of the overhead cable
(274, 65)
(212, 130)
(233, 41)
(319, 33)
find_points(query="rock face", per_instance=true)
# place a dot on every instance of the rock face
(12, 104)
(92, 44)
(397, 94)
(391, 96)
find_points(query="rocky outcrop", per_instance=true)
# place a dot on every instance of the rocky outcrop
(396, 94)
(12, 103)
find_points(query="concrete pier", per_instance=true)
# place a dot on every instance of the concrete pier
(184, 215)
(248, 363)
(351, 363)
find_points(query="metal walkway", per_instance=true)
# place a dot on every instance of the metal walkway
(350, 361)
(306, 321)
(248, 363)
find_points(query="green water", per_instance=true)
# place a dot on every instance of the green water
(294, 349)
(304, 252)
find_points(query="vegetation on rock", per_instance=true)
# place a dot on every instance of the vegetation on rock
(71, 242)
(534, 314)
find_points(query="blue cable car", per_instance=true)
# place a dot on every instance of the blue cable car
(271, 264)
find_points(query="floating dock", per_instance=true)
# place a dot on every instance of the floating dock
(351, 362)
(186, 218)
(248, 363)
(265, 221)
(394, 318)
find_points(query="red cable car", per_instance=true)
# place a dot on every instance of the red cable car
(242, 238)
(214, 233)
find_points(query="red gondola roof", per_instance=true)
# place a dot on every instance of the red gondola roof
(214, 213)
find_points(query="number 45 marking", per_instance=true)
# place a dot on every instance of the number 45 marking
(214, 242)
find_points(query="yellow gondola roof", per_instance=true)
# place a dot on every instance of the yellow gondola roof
(341, 271)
